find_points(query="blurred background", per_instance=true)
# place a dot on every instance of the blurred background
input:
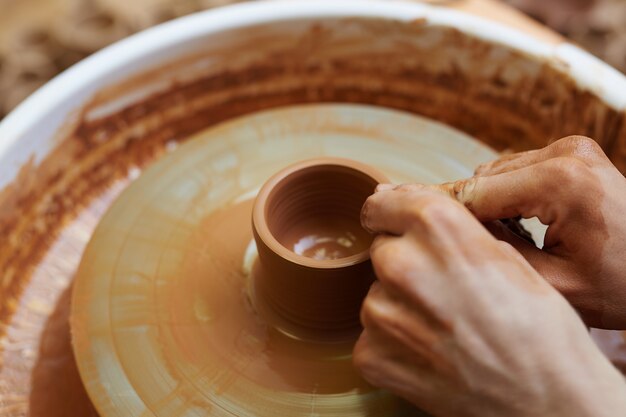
(40, 38)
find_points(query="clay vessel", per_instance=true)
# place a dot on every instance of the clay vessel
(314, 266)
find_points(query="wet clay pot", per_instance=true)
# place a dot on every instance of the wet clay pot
(315, 268)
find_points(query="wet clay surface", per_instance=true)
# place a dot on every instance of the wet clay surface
(338, 238)
(512, 103)
(164, 301)
(31, 366)
(57, 389)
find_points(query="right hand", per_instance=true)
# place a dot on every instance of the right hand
(572, 187)
(461, 325)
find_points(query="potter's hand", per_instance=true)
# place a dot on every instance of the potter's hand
(461, 325)
(571, 186)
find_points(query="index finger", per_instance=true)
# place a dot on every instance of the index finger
(393, 207)
(539, 191)
(435, 218)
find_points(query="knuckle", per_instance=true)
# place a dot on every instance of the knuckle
(484, 167)
(374, 313)
(510, 251)
(507, 247)
(566, 177)
(465, 191)
(437, 210)
(370, 310)
(366, 312)
(398, 277)
(382, 253)
(567, 172)
(380, 314)
(362, 357)
(378, 242)
(581, 147)
(367, 362)
(390, 264)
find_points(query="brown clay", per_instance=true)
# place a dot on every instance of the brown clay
(313, 252)
(517, 103)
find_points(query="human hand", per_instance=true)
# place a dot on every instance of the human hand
(461, 325)
(572, 187)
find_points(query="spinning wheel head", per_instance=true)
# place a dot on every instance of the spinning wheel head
(174, 311)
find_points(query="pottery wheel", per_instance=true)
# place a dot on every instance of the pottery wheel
(161, 318)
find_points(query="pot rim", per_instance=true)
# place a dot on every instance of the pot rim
(259, 222)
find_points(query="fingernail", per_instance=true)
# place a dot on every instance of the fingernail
(364, 219)
(446, 188)
(464, 190)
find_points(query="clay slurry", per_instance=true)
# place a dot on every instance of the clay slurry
(327, 238)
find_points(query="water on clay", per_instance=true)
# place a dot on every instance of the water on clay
(335, 239)
(162, 318)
